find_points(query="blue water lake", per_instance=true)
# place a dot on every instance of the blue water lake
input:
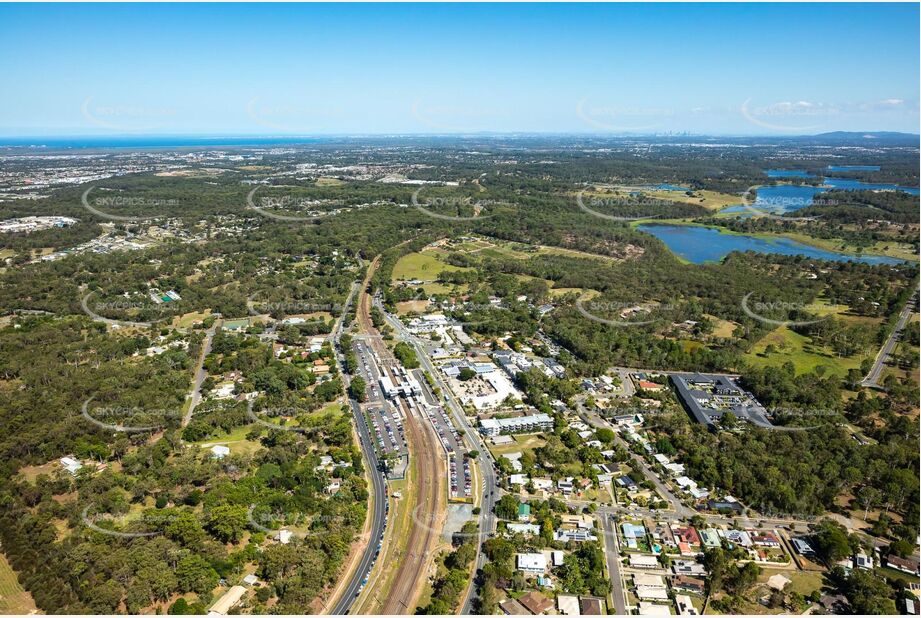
(848, 184)
(788, 174)
(787, 198)
(698, 244)
(853, 168)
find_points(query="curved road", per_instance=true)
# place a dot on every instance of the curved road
(378, 485)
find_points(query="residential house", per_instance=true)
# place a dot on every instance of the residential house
(802, 547)
(709, 537)
(766, 539)
(228, 601)
(654, 609)
(685, 606)
(512, 607)
(644, 561)
(71, 465)
(689, 584)
(219, 451)
(688, 567)
(531, 563)
(524, 512)
(633, 534)
(521, 528)
(535, 602)
(592, 606)
(568, 605)
(906, 565)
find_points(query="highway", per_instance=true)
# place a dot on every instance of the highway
(491, 492)
(408, 569)
(872, 379)
(378, 486)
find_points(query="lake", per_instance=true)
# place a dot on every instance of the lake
(787, 198)
(705, 244)
(853, 168)
(787, 174)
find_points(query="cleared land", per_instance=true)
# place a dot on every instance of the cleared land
(424, 266)
(799, 350)
(14, 599)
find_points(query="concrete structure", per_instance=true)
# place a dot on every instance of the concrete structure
(219, 451)
(531, 563)
(71, 465)
(519, 424)
(228, 601)
(568, 605)
(708, 397)
(644, 561)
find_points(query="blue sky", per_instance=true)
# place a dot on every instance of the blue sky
(278, 69)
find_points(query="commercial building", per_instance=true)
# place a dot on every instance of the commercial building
(518, 424)
(707, 398)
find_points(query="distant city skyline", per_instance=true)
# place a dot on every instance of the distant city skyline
(317, 69)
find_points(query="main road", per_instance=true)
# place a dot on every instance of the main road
(485, 462)
(872, 378)
(378, 486)
(409, 568)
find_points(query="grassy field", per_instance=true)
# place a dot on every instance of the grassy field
(889, 248)
(185, 320)
(424, 266)
(522, 443)
(14, 599)
(711, 200)
(236, 440)
(583, 293)
(722, 328)
(799, 350)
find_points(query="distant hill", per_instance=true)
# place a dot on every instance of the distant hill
(888, 137)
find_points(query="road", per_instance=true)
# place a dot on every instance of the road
(411, 567)
(676, 504)
(612, 554)
(872, 379)
(378, 517)
(485, 463)
(200, 373)
(378, 499)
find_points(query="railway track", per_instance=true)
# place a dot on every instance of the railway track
(424, 449)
